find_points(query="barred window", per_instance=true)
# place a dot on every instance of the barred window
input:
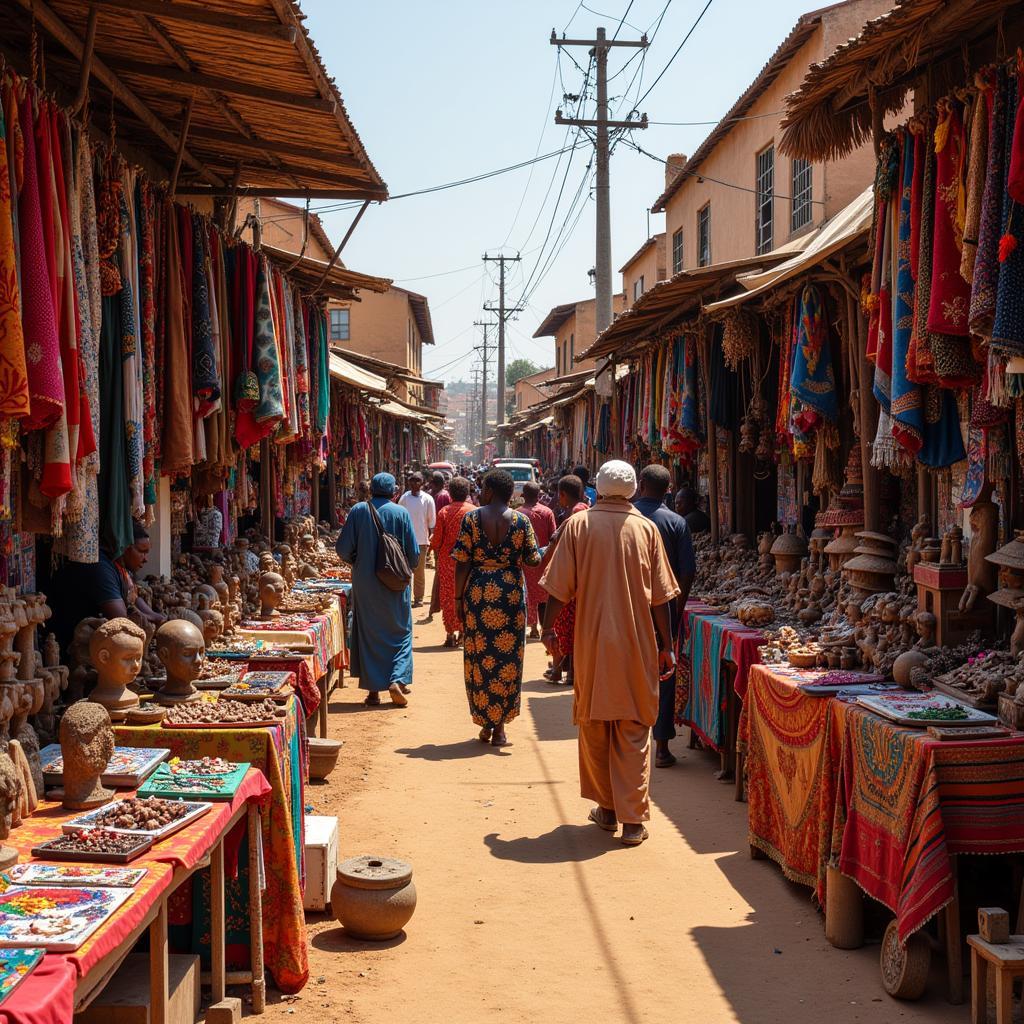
(677, 251)
(802, 191)
(704, 236)
(765, 199)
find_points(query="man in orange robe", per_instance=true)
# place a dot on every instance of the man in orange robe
(611, 559)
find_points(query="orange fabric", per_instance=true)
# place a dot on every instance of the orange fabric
(611, 559)
(615, 762)
(446, 533)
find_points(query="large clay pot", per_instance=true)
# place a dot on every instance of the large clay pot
(904, 664)
(323, 756)
(788, 550)
(373, 897)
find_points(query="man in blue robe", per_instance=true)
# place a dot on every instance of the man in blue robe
(381, 647)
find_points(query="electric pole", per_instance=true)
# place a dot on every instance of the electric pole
(599, 48)
(503, 315)
(484, 350)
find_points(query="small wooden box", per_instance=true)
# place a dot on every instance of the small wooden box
(321, 861)
(994, 924)
(125, 1000)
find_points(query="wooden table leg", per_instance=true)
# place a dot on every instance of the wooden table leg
(1004, 997)
(979, 988)
(259, 986)
(159, 991)
(740, 765)
(954, 951)
(325, 693)
(217, 937)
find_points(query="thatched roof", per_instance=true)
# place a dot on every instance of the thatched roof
(333, 281)
(262, 105)
(830, 114)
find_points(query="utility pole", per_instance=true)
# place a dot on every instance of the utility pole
(484, 350)
(503, 315)
(599, 48)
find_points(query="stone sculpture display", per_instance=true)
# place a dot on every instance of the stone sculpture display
(181, 648)
(116, 650)
(86, 746)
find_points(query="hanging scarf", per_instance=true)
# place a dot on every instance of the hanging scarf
(145, 210)
(985, 284)
(689, 431)
(205, 373)
(812, 379)
(14, 388)
(130, 348)
(1008, 327)
(977, 159)
(177, 449)
(905, 396)
(42, 347)
(943, 441)
(266, 356)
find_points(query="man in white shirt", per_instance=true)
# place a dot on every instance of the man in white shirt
(420, 507)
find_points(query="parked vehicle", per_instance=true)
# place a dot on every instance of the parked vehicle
(521, 473)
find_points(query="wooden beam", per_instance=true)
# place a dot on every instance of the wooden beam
(200, 15)
(202, 133)
(89, 49)
(377, 196)
(186, 120)
(321, 176)
(231, 86)
(47, 18)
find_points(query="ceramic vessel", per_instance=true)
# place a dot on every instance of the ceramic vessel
(788, 550)
(904, 664)
(323, 756)
(373, 897)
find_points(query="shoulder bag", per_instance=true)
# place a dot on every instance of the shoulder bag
(392, 566)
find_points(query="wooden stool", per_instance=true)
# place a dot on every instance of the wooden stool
(1008, 960)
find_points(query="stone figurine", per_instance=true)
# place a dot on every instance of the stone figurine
(272, 591)
(86, 746)
(181, 648)
(116, 649)
(981, 573)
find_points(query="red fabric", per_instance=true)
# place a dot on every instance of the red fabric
(446, 533)
(1015, 179)
(543, 521)
(565, 623)
(950, 298)
(743, 649)
(46, 996)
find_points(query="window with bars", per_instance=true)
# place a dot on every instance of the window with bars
(339, 325)
(677, 251)
(802, 191)
(704, 236)
(765, 199)
(638, 287)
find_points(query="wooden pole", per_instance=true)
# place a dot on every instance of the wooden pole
(87, 52)
(186, 120)
(868, 420)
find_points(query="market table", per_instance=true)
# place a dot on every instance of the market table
(832, 784)
(315, 673)
(70, 981)
(712, 677)
(280, 752)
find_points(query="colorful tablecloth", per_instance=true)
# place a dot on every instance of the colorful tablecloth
(281, 753)
(701, 696)
(829, 782)
(325, 633)
(54, 1001)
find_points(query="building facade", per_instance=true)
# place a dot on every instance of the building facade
(646, 267)
(573, 326)
(737, 197)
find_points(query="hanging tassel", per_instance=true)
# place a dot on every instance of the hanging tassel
(1007, 246)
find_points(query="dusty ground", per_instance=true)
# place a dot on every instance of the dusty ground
(527, 913)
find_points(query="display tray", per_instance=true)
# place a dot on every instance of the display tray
(850, 682)
(127, 768)
(969, 732)
(230, 655)
(77, 874)
(217, 682)
(51, 851)
(57, 918)
(897, 706)
(15, 966)
(88, 821)
(291, 651)
(963, 698)
(171, 786)
(220, 725)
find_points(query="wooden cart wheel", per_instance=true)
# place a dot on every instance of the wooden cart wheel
(905, 968)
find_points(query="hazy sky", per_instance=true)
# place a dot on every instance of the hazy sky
(444, 91)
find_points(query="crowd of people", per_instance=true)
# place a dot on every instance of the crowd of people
(611, 561)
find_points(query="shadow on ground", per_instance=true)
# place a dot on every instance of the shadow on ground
(337, 940)
(565, 844)
(452, 751)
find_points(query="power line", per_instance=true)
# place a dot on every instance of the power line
(693, 27)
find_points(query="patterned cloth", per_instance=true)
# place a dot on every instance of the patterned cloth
(14, 397)
(706, 704)
(542, 519)
(495, 606)
(812, 380)
(442, 542)
(280, 752)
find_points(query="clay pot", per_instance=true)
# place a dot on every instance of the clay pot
(323, 756)
(904, 665)
(788, 550)
(373, 897)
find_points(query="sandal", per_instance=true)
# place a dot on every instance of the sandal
(398, 698)
(635, 838)
(372, 700)
(499, 739)
(597, 816)
(665, 760)
(484, 736)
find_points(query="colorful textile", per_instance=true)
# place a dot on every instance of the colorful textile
(943, 439)
(905, 395)
(950, 297)
(266, 354)
(14, 390)
(785, 738)
(977, 160)
(565, 621)
(205, 371)
(812, 380)
(705, 710)
(1008, 328)
(280, 753)
(442, 541)
(495, 609)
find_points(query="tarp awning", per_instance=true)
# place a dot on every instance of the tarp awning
(355, 376)
(850, 223)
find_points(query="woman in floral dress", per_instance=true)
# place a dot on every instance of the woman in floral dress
(446, 533)
(490, 597)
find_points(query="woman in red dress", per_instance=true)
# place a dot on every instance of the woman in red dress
(446, 533)
(570, 498)
(543, 520)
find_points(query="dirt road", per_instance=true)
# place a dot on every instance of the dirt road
(527, 913)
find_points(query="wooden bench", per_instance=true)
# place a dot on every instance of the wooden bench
(1008, 960)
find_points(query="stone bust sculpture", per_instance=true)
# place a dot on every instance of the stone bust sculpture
(181, 648)
(116, 650)
(86, 746)
(272, 591)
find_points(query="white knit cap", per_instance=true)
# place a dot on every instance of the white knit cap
(616, 479)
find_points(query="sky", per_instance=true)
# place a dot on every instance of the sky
(445, 91)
